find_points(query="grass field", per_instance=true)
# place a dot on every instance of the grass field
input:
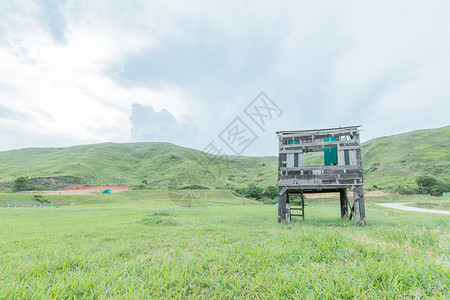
(443, 204)
(129, 246)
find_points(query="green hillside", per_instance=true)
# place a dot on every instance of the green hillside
(132, 163)
(392, 162)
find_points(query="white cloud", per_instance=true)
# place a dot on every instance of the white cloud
(417, 104)
(65, 88)
(380, 64)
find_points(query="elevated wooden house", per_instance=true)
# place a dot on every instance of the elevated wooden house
(340, 171)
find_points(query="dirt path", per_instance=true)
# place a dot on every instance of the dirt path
(402, 206)
(84, 190)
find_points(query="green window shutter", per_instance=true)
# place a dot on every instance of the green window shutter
(330, 153)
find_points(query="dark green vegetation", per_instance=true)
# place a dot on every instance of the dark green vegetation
(268, 195)
(430, 185)
(123, 246)
(396, 162)
(40, 198)
(21, 183)
(393, 163)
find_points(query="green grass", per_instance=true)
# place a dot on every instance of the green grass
(126, 246)
(434, 204)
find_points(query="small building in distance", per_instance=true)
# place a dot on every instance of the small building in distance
(340, 171)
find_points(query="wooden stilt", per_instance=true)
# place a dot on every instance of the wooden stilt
(282, 199)
(303, 206)
(359, 207)
(288, 208)
(344, 201)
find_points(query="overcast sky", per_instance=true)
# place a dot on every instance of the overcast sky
(78, 72)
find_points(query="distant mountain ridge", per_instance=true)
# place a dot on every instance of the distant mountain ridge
(392, 162)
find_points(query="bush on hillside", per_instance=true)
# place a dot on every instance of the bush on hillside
(406, 190)
(271, 192)
(266, 200)
(21, 184)
(195, 187)
(41, 199)
(256, 192)
(138, 187)
(430, 185)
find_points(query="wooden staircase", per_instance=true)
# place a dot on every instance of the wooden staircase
(299, 209)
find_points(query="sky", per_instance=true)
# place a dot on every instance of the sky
(190, 72)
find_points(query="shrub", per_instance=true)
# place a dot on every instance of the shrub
(21, 184)
(430, 185)
(256, 192)
(41, 199)
(271, 192)
(266, 200)
(406, 190)
(138, 187)
(195, 187)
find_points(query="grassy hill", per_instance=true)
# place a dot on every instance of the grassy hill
(132, 163)
(392, 162)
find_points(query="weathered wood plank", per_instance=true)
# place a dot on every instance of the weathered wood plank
(299, 175)
(315, 180)
(343, 201)
(312, 191)
(347, 168)
(317, 145)
(282, 199)
(322, 186)
(359, 207)
(318, 132)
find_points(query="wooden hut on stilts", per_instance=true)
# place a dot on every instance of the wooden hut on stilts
(341, 170)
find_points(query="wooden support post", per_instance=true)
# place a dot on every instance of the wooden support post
(303, 206)
(288, 208)
(359, 207)
(352, 210)
(282, 199)
(344, 200)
